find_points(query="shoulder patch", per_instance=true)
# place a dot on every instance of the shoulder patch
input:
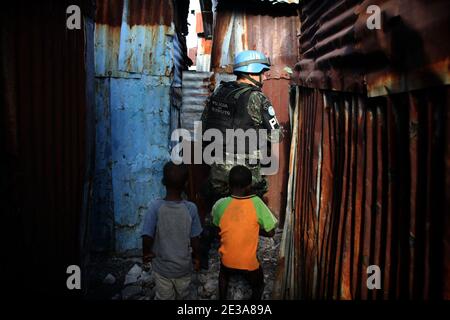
(271, 111)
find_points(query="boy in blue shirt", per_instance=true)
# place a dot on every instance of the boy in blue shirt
(171, 228)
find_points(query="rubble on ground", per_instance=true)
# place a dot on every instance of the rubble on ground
(109, 279)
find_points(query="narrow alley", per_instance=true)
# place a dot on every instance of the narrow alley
(115, 122)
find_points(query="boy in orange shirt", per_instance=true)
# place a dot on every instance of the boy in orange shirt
(242, 217)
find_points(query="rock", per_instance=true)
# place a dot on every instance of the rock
(116, 297)
(135, 270)
(202, 278)
(210, 287)
(109, 279)
(130, 292)
(146, 277)
(238, 295)
(205, 293)
(133, 275)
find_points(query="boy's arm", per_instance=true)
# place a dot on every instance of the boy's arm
(195, 244)
(148, 232)
(268, 234)
(266, 219)
(196, 230)
(147, 245)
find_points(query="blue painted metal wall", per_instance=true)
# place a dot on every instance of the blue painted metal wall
(134, 73)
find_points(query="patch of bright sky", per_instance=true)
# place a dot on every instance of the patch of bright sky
(192, 39)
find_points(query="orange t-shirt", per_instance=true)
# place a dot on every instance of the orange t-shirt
(239, 220)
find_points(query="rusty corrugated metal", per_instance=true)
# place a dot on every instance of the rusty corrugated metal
(278, 92)
(339, 52)
(370, 190)
(240, 28)
(371, 183)
(43, 70)
(273, 31)
(108, 22)
(144, 47)
(134, 38)
(140, 37)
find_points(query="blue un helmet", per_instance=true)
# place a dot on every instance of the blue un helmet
(251, 61)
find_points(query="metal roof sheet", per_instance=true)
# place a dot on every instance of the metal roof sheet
(340, 52)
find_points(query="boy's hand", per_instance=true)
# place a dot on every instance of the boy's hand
(147, 258)
(147, 253)
(196, 265)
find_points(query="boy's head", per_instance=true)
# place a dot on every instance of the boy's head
(175, 176)
(240, 178)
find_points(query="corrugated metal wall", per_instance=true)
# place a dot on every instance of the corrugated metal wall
(339, 51)
(370, 182)
(272, 30)
(369, 189)
(196, 89)
(138, 76)
(45, 137)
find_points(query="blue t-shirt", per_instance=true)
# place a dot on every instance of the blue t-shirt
(172, 224)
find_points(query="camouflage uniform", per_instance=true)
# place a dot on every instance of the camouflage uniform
(262, 113)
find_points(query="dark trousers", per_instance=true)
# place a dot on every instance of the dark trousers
(255, 278)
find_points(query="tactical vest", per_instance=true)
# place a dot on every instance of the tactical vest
(227, 108)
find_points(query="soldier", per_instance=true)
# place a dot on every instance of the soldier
(235, 105)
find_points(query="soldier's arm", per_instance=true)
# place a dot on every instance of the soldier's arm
(263, 113)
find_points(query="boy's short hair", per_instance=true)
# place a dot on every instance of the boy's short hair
(175, 176)
(240, 177)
